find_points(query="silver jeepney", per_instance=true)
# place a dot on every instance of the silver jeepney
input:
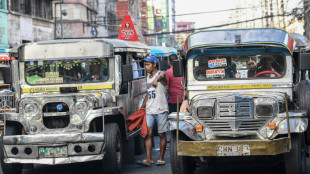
(64, 113)
(234, 114)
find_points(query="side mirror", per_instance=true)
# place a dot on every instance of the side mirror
(7, 75)
(178, 68)
(127, 73)
(304, 61)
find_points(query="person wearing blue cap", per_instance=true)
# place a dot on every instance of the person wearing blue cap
(156, 106)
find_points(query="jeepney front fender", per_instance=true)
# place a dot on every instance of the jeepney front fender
(186, 125)
(298, 122)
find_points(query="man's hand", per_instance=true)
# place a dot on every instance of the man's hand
(155, 83)
(95, 77)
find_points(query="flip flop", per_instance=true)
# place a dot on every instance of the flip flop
(144, 163)
(160, 163)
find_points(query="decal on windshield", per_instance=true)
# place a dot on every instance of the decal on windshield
(211, 73)
(217, 63)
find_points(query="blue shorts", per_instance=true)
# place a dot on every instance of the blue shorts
(161, 120)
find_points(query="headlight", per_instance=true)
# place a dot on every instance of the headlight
(31, 109)
(264, 110)
(81, 107)
(205, 111)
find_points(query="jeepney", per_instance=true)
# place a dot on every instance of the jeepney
(6, 95)
(233, 115)
(72, 101)
(163, 53)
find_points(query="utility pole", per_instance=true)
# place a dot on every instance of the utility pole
(307, 18)
(271, 14)
(266, 13)
(261, 6)
(283, 14)
(278, 14)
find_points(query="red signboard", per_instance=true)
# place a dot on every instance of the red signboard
(128, 31)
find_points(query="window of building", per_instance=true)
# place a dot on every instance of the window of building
(1, 4)
(38, 8)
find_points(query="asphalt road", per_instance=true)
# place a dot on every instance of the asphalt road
(222, 167)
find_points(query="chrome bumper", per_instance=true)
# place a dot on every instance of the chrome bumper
(70, 140)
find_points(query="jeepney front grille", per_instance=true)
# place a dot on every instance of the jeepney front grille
(54, 118)
(234, 107)
(235, 125)
(7, 103)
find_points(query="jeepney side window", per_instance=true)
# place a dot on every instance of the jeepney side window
(138, 68)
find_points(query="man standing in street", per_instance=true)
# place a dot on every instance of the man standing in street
(156, 106)
(174, 86)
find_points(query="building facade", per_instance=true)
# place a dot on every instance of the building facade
(267, 13)
(76, 19)
(187, 27)
(4, 44)
(29, 21)
(106, 18)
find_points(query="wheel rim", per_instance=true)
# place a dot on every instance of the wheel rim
(118, 150)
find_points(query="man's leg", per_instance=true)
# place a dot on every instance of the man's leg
(148, 145)
(162, 129)
(162, 143)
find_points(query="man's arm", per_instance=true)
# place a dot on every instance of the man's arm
(144, 101)
(161, 78)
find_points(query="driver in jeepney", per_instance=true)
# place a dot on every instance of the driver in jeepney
(268, 64)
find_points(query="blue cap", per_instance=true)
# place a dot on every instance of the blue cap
(152, 59)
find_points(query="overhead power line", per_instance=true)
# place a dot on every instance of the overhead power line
(198, 13)
(214, 26)
(204, 28)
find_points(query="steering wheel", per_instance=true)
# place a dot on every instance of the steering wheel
(268, 72)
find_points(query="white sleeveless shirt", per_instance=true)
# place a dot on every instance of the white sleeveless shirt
(157, 101)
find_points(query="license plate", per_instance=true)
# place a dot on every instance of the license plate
(53, 151)
(233, 150)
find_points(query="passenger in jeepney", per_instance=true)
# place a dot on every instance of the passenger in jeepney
(94, 74)
(251, 65)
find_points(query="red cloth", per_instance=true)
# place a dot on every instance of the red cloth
(174, 87)
(137, 120)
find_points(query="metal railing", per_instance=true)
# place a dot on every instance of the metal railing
(7, 103)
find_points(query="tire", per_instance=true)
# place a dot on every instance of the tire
(295, 160)
(303, 95)
(139, 145)
(112, 161)
(9, 168)
(180, 164)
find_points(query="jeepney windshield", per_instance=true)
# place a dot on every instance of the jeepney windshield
(209, 67)
(66, 71)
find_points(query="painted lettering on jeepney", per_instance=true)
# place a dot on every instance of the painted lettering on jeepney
(224, 87)
(56, 89)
